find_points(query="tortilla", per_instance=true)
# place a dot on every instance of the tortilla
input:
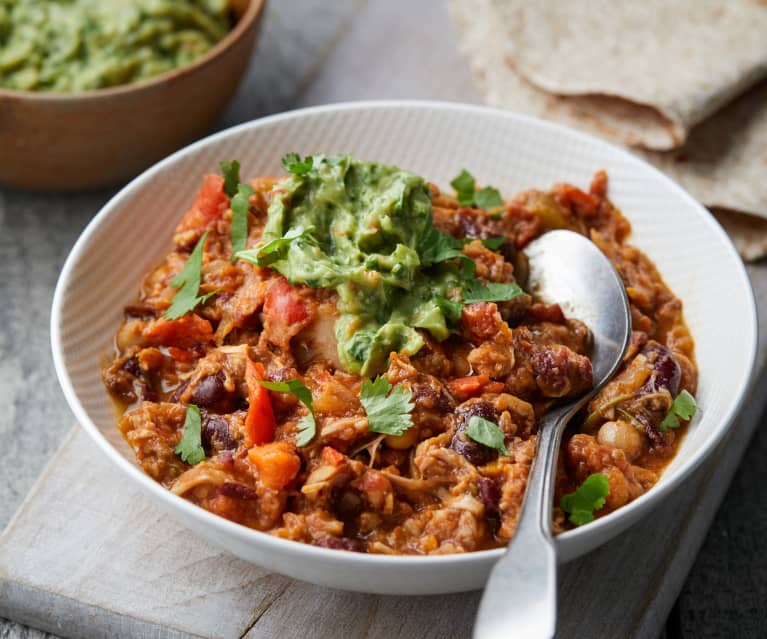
(748, 233)
(723, 163)
(683, 60)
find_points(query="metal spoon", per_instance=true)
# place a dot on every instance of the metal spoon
(520, 596)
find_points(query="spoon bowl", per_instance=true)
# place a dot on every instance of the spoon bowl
(570, 270)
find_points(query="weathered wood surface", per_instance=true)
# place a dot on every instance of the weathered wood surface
(77, 540)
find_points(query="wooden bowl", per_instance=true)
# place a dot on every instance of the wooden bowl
(78, 141)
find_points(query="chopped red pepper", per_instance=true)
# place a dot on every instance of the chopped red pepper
(184, 332)
(474, 385)
(259, 422)
(208, 207)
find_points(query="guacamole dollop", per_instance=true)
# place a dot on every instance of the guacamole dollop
(366, 230)
(77, 45)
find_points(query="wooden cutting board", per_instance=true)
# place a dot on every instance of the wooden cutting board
(88, 555)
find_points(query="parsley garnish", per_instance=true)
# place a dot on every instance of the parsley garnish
(450, 309)
(494, 243)
(231, 173)
(189, 448)
(188, 281)
(684, 407)
(485, 432)
(436, 246)
(589, 496)
(464, 185)
(307, 425)
(473, 291)
(292, 163)
(275, 250)
(388, 413)
(487, 198)
(240, 219)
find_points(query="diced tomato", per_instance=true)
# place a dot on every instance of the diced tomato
(209, 206)
(472, 386)
(277, 463)
(331, 456)
(583, 202)
(180, 354)
(259, 422)
(283, 302)
(184, 332)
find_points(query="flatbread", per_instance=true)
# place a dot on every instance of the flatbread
(723, 163)
(683, 59)
(748, 233)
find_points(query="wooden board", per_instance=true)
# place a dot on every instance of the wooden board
(76, 562)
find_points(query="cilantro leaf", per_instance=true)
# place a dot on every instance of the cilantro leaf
(188, 282)
(494, 243)
(466, 193)
(292, 163)
(275, 250)
(231, 172)
(590, 496)
(473, 291)
(307, 425)
(436, 246)
(388, 413)
(240, 218)
(684, 407)
(485, 432)
(450, 309)
(488, 198)
(189, 448)
(464, 185)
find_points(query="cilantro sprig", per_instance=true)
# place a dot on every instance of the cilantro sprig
(683, 408)
(589, 496)
(189, 448)
(275, 250)
(473, 291)
(231, 173)
(307, 425)
(486, 432)
(188, 282)
(388, 412)
(494, 243)
(466, 191)
(238, 192)
(293, 163)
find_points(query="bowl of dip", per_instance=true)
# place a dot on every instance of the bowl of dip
(91, 93)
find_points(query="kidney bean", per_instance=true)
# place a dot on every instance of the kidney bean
(490, 495)
(131, 366)
(237, 491)
(178, 391)
(341, 543)
(666, 372)
(427, 397)
(209, 390)
(476, 453)
(215, 434)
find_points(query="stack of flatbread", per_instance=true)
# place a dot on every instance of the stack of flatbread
(682, 83)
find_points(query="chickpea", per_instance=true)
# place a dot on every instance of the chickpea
(620, 434)
(405, 440)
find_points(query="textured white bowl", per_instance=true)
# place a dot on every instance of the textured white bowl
(133, 232)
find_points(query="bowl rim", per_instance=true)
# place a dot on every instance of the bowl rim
(248, 19)
(266, 542)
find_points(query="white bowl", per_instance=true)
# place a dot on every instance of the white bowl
(133, 232)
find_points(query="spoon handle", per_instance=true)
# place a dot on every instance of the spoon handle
(520, 598)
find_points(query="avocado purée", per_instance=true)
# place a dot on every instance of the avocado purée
(366, 230)
(77, 45)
